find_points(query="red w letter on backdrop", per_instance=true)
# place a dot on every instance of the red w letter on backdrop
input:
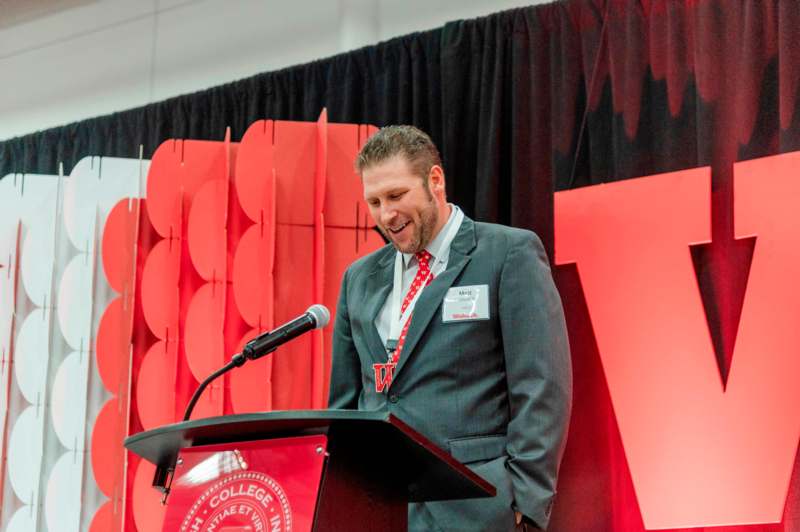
(700, 453)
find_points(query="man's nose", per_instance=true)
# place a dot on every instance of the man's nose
(388, 214)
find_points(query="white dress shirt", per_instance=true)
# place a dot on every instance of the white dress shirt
(440, 252)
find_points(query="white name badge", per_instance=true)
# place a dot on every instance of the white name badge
(465, 303)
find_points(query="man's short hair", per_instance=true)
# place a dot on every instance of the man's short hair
(413, 143)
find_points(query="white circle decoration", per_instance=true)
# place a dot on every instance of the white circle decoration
(25, 455)
(68, 401)
(80, 202)
(74, 303)
(23, 520)
(62, 504)
(7, 308)
(31, 355)
(37, 258)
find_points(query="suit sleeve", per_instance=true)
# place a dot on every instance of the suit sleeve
(539, 374)
(345, 368)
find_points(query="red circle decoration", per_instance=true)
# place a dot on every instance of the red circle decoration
(112, 343)
(206, 230)
(155, 386)
(203, 331)
(107, 450)
(119, 241)
(251, 385)
(164, 194)
(160, 291)
(254, 166)
(148, 512)
(103, 520)
(252, 278)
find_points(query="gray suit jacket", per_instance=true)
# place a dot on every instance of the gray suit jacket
(495, 393)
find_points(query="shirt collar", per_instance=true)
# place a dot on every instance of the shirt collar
(435, 245)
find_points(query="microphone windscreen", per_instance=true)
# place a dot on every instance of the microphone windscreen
(321, 315)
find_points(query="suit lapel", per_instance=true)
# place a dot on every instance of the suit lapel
(432, 295)
(377, 286)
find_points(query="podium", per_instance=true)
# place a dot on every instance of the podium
(309, 470)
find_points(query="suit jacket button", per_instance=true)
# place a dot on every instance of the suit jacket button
(393, 398)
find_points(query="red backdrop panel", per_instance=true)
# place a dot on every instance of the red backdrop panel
(293, 295)
(678, 420)
(295, 154)
(344, 197)
(234, 241)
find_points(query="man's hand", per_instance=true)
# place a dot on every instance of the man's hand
(518, 517)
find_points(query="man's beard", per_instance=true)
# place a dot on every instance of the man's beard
(423, 231)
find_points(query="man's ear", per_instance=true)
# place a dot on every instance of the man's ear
(436, 178)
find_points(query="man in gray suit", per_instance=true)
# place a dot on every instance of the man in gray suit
(456, 328)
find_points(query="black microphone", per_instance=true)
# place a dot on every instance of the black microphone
(315, 317)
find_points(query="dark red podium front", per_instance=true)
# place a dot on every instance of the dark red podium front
(311, 470)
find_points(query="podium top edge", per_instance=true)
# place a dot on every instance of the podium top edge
(256, 417)
(161, 445)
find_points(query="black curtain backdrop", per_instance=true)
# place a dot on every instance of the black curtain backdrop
(524, 103)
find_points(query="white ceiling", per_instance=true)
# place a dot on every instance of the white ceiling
(68, 60)
(13, 12)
